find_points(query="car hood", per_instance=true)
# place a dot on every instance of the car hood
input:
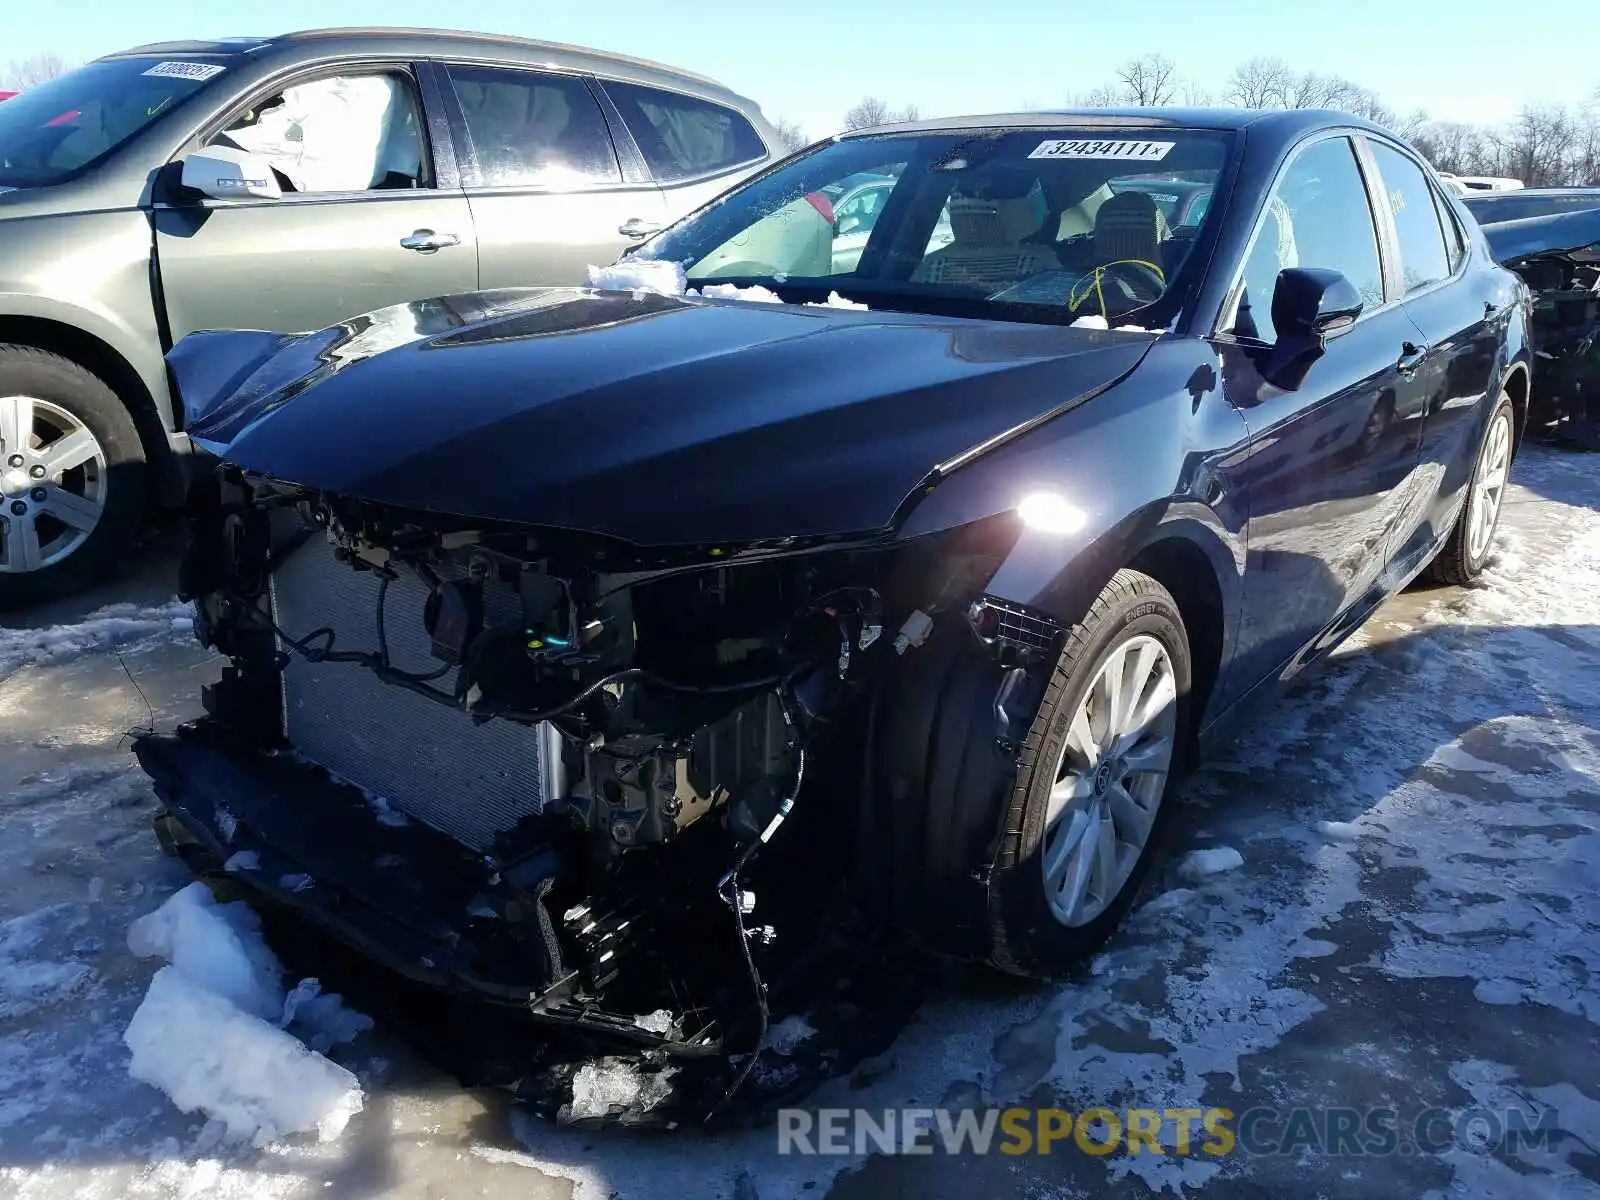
(656, 419)
(1558, 234)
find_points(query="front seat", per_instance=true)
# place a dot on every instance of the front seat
(987, 248)
(1129, 226)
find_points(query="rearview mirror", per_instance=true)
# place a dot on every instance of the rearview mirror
(223, 173)
(1309, 304)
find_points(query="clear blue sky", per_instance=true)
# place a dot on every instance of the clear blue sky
(1463, 59)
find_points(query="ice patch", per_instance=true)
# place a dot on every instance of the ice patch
(639, 275)
(786, 1036)
(26, 983)
(210, 1056)
(1343, 830)
(659, 1021)
(1198, 864)
(244, 860)
(599, 1088)
(217, 947)
(323, 1017)
(1090, 323)
(115, 626)
(296, 883)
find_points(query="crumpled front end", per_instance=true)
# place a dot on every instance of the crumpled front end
(1559, 259)
(601, 793)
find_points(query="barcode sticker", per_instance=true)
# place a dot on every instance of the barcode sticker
(1092, 148)
(199, 72)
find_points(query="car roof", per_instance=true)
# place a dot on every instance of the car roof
(1535, 193)
(1288, 123)
(428, 42)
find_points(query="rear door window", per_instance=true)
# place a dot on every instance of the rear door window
(1423, 255)
(534, 128)
(682, 137)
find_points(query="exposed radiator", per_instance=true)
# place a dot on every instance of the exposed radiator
(470, 781)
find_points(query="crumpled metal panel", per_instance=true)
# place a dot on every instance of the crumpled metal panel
(469, 781)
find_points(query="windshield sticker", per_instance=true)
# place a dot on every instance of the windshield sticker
(1084, 148)
(199, 72)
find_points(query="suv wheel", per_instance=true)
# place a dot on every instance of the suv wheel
(73, 480)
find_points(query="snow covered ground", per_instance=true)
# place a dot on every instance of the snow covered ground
(1384, 895)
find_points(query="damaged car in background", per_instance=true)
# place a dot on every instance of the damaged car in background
(663, 664)
(1551, 237)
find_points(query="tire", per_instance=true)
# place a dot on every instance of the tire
(103, 497)
(955, 829)
(1466, 552)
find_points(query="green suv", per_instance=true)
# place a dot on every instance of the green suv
(282, 184)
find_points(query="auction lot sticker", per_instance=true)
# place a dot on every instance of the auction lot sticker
(1092, 148)
(186, 70)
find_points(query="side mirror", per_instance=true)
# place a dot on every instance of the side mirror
(223, 173)
(1309, 304)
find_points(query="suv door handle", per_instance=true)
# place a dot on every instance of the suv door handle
(1411, 356)
(637, 227)
(426, 241)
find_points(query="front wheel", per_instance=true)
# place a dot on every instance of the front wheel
(1466, 553)
(72, 476)
(1027, 859)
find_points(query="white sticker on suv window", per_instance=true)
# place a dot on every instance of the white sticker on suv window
(199, 72)
(1094, 148)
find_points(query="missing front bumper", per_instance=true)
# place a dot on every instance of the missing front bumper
(349, 876)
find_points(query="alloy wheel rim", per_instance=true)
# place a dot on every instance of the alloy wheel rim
(1488, 488)
(1109, 780)
(53, 482)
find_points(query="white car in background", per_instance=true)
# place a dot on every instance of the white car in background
(1471, 185)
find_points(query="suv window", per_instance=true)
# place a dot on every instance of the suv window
(1423, 256)
(1318, 216)
(531, 128)
(680, 136)
(344, 133)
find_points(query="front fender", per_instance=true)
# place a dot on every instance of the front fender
(1133, 468)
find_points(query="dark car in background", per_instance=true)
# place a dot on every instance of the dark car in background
(283, 183)
(681, 619)
(1551, 237)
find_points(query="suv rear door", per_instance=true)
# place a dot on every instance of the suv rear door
(375, 217)
(694, 148)
(549, 192)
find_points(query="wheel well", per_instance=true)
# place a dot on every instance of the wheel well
(1516, 386)
(94, 355)
(1184, 570)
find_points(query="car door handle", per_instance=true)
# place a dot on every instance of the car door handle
(637, 227)
(1411, 356)
(426, 241)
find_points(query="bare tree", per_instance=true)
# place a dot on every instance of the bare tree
(1259, 83)
(25, 73)
(790, 135)
(872, 111)
(1105, 96)
(1150, 80)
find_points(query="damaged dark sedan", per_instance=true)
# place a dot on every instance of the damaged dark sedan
(1551, 237)
(657, 662)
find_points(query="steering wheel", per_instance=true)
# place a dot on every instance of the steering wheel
(1135, 281)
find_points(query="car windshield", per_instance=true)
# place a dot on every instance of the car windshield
(52, 132)
(1035, 224)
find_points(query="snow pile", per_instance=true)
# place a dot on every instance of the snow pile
(639, 275)
(210, 1056)
(1197, 864)
(732, 291)
(210, 1032)
(117, 625)
(835, 300)
(785, 1037)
